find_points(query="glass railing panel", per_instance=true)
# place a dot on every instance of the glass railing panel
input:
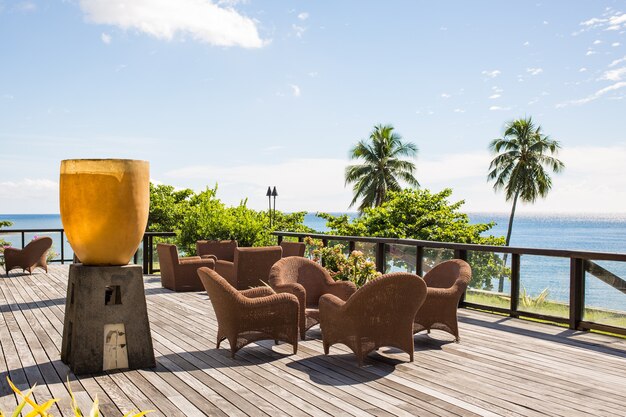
(400, 258)
(544, 285)
(156, 266)
(605, 293)
(368, 249)
(491, 279)
(434, 256)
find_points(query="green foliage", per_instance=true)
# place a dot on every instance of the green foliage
(168, 207)
(208, 218)
(420, 214)
(382, 169)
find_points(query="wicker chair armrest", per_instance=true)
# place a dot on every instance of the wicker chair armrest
(291, 288)
(10, 249)
(192, 267)
(185, 259)
(270, 300)
(442, 293)
(257, 292)
(330, 302)
(341, 289)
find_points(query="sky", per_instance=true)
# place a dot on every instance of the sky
(250, 94)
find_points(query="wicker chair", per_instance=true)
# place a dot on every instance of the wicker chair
(33, 255)
(308, 281)
(381, 313)
(292, 248)
(247, 316)
(223, 250)
(179, 274)
(251, 267)
(446, 283)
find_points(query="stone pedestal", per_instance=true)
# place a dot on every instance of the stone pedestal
(106, 320)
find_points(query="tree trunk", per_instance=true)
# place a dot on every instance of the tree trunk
(508, 240)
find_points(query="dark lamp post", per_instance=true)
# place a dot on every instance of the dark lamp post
(269, 194)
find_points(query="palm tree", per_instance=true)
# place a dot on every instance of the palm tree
(520, 167)
(382, 168)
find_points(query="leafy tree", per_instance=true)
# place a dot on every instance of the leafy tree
(382, 169)
(420, 214)
(3, 243)
(168, 207)
(523, 157)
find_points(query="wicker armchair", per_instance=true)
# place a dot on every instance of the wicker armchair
(381, 313)
(292, 248)
(308, 281)
(33, 255)
(446, 283)
(179, 274)
(222, 251)
(247, 316)
(252, 266)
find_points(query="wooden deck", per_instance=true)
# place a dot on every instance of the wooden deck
(502, 366)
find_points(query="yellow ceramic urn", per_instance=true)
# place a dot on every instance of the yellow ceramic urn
(104, 208)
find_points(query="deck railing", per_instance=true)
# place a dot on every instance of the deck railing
(581, 263)
(145, 254)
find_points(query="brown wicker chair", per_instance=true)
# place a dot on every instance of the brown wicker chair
(446, 283)
(247, 316)
(223, 250)
(251, 267)
(179, 274)
(292, 248)
(33, 255)
(381, 313)
(308, 281)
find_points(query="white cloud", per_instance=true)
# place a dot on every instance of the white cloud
(36, 195)
(526, 43)
(494, 96)
(534, 71)
(617, 62)
(26, 6)
(199, 19)
(498, 108)
(594, 96)
(583, 69)
(106, 38)
(614, 75)
(8, 96)
(615, 44)
(459, 111)
(303, 16)
(313, 74)
(445, 95)
(298, 30)
(492, 73)
(497, 89)
(295, 90)
(597, 42)
(590, 52)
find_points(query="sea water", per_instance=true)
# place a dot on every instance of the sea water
(591, 232)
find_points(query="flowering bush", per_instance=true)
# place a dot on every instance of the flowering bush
(355, 267)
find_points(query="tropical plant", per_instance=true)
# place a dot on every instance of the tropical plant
(168, 207)
(528, 301)
(421, 214)
(42, 409)
(382, 169)
(355, 267)
(523, 157)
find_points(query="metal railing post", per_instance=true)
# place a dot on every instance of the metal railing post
(419, 261)
(145, 259)
(380, 257)
(62, 249)
(515, 283)
(577, 292)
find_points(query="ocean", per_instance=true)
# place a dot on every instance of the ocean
(593, 232)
